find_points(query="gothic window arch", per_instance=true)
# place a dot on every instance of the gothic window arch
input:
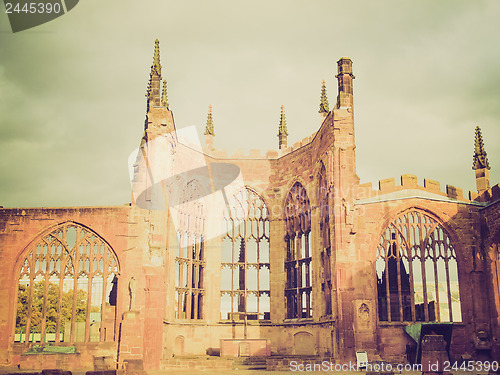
(190, 257)
(298, 269)
(67, 288)
(245, 284)
(417, 271)
(324, 227)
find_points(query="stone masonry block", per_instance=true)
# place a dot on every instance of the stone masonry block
(386, 185)
(454, 192)
(409, 181)
(432, 185)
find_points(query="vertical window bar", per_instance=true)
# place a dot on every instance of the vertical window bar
(30, 306)
(435, 248)
(387, 290)
(102, 332)
(398, 267)
(44, 306)
(62, 273)
(76, 272)
(89, 292)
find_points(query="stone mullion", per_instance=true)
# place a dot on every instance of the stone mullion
(195, 308)
(76, 272)
(233, 244)
(30, 306)
(179, 303)
(195, 275)
(308, 262)
(258, 272)
(308, 302)
(398, 267)
(44, 309)
(410, 270)
(298, 276)
(436, 281)
(62, 274)
(181, 273)
(89, 291)
(189, 290)
(105, 270)
(448, 286)
(45, 296)
(387, 289)
(423, 248)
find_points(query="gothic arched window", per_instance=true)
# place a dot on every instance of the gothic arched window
(245, 289)
(298, 287)
(190, 258)
(67, 288)
(417, 272)
(324, 227)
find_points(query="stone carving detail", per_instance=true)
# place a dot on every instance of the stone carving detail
(132, 289)
(364, 316)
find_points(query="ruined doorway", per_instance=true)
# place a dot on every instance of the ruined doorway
(303, 344)
(179, 346)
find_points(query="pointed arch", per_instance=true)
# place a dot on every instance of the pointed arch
(417, 270)
(298, 257)
(245, 271)
(190, 263)
(67, 287)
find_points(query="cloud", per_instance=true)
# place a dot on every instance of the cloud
(72, 91)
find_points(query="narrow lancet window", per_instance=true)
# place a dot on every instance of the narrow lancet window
(324, 227)
(298, 257)
(190, 259)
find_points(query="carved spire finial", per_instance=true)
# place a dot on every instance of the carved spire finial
(209, 129)
(480, 160)
(323, 105)
(164, 99)
(282, 127)
(156, 67)
(153, 91)
(282, 131)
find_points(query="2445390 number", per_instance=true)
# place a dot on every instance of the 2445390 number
(33, 8)
(471, 366)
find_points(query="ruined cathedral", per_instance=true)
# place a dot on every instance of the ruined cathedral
(278, 254)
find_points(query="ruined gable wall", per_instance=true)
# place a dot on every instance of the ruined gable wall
(19, 228)
(461, 221)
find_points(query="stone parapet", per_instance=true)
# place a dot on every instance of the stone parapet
(409, 183)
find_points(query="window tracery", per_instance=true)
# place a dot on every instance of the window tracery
(298, 271)
(67, 288)
(190, 257)
(417, 271)
(245, 284)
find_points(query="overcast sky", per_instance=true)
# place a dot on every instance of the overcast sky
(72, 102)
